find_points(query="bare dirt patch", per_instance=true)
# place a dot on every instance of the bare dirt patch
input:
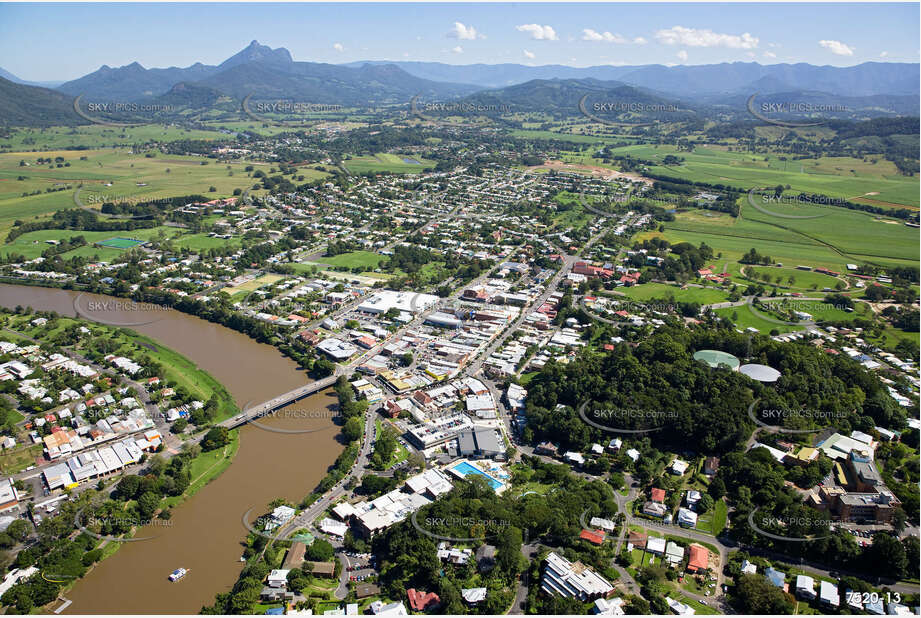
(594, 170)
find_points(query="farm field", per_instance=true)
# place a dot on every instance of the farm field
(842, 237)
(130, 177)
(100, 136)
(834, 176)
(386, 162)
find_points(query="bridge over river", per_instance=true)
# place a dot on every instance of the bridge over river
(280, 401)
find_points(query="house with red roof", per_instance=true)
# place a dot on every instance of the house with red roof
(699, 558)
(593, 536)
(422, 601)
(584, 268)
(658, 495)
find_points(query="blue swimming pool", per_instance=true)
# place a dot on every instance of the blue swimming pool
(465, 469)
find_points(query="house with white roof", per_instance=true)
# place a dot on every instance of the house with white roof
(828, 594)
(573, 580)
(805, 587)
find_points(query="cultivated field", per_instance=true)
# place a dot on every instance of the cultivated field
(843, 177)
(108, 175)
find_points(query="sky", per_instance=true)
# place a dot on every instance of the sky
(48, 42)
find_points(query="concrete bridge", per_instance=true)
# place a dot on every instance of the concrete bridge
(267, 407)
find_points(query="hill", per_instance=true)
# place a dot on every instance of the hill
(35, 106)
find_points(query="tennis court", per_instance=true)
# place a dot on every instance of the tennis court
(120, 243)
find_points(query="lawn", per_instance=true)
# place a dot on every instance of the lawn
(789, 277)
(367, 260)
(746, 319)
(691, 294)
(19, 458)
(207, 467)
(31, 244)
(254, 284)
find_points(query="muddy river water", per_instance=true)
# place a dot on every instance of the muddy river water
(206, 531)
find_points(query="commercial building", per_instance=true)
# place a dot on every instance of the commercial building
(479, 442)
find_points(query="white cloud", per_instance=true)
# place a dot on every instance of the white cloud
(770, 54)
(464, 33)
(338, 47)
(694, 37)
(682, 56)
(538, 32)
(883, 54)
(457, 50)
(837, 47)
(529, 55)
(591, 35)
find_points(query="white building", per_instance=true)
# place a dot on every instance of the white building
(573, 580)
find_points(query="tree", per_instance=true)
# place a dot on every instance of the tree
(147, 505)
(215, 438)
(320, 551)
(127, 487)
(352, 429)
(886, 556)
(754, 594)
(19, 529)
(706, 503)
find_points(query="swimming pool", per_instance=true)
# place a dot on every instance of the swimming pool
(465, 469)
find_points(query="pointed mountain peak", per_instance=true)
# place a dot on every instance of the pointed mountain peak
(254, 52)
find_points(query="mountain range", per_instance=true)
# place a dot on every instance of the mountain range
(867, 79)
(268, 74)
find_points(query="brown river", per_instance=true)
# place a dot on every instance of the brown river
(206, 531)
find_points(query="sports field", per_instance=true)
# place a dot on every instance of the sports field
(386, 162)
(368, 260)
(120, 243)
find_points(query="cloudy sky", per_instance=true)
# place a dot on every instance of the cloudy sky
(65, 41)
